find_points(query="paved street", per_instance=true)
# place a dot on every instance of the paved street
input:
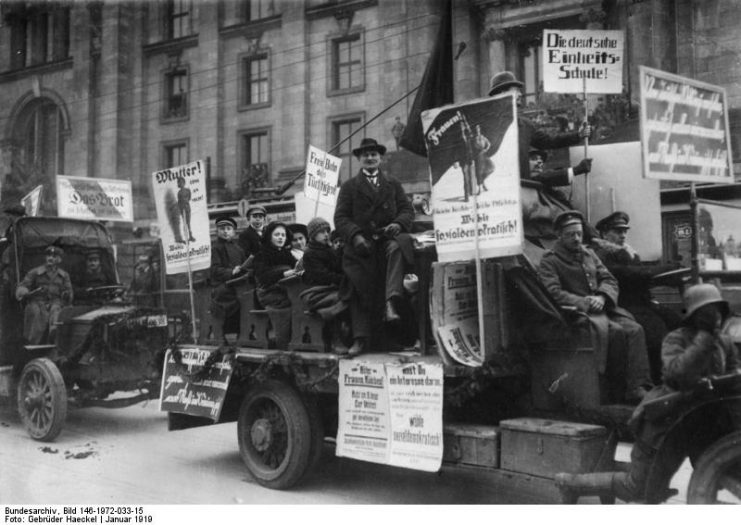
(109, 456)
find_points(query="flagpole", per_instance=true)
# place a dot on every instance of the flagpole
(190, 291)
(291, 182)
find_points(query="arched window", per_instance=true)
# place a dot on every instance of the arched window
(40, 135)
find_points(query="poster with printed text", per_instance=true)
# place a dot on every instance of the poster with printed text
(391, 413)
(684, 129)
(185, 391)
(93, 198)
(579, 61)
(472, 152)
(182, 215)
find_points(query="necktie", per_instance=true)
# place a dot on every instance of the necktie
(372, 177)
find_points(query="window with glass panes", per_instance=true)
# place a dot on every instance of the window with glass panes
(258, 9)
(255, 151)
(257, 79)
(347, 58)
(176, 154)
(43, 138)
(341, 129)
(178, 18)
(176, 94)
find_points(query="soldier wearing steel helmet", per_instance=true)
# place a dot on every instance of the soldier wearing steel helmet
(697, 349)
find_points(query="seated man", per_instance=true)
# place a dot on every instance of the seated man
(576, 277)
(143, 282)
(93, 277)
(635, 281)
(46, 288)
(694, 351)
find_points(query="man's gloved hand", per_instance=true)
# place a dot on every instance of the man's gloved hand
(392, 230)
(584, 167)
(708, 319)
(361, 245)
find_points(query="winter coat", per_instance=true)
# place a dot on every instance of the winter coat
(322, 265)
(363, 208)
(250, 241)
(270, 265)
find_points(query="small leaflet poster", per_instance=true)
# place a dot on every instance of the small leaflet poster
(202, 397)
(475, 177)
(391, 413)
(684, 129)
(182, 215)
(578, 61)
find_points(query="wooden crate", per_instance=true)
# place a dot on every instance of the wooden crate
(471, 445)
(545, 447)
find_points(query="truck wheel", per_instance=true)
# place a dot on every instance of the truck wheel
(274, 433)
(42, 399)
(717, 476)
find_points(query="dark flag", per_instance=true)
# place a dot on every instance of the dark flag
(436, 88)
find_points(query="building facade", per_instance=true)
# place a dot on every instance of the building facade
(121, 89)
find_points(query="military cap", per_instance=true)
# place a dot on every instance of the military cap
(54, 250)
(567, 218)
(226, 221)
(615, 221)
(255, 208)
(92, 254)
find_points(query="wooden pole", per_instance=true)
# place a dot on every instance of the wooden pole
(586, 153)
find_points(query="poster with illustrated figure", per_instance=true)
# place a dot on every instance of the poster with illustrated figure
(474, 170)
(182, 215)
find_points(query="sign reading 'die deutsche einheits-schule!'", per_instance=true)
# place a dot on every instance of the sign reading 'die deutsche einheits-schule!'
(684, 129)
(182, 215)
(93, 198)
(391, 413)
(186, 391)
(472, 156)
(579, 60)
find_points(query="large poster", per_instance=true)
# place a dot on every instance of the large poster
(320, 187)
(391, 413)
(578, 61)
(182, 214)
(472, 152)
(684, 129)
(93, 198)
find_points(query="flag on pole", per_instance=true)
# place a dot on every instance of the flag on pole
(436, 88)
(32, 201)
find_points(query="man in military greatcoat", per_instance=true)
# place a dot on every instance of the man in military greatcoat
(576, 277)
(46, 289)
(374, 217)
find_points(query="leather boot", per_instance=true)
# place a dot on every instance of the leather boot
(572, 486)
(392, 316)
(358, 347)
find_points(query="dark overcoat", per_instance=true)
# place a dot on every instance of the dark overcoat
(531, 136)
(250, 241)
(363, 208)
(322, 265)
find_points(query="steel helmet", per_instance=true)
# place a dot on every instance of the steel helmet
(699, 295)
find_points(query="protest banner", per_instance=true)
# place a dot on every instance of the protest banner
(578, 61)
(684, 129)
(93, 198)
(319, 197)
(32, 201)
(182, 214)
(474, 170)
(185, 392)
(391, 413)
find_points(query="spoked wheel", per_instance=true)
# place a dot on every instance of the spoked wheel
(275, 434)
(42, 399)
(717, 476)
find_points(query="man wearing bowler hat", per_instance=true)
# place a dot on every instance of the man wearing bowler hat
(373, 215)
(528, 135)
(635, 280)
(576, 277)
(46, 289)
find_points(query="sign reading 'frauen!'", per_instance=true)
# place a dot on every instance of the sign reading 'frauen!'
(93, 198)
(684, 129)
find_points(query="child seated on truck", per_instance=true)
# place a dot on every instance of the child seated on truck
(322, 272)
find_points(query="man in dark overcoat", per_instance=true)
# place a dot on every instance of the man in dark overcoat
(576, 277)
(227, 259)
(374, 216)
